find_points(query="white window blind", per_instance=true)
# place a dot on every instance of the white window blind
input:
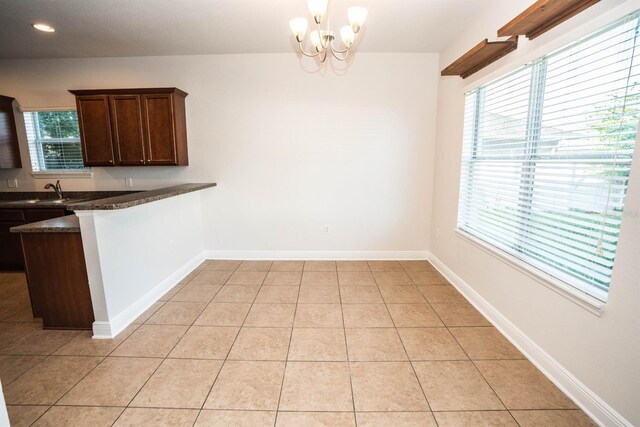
(54, 141)
(546, 157)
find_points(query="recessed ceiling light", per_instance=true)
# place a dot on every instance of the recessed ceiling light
(44, 27)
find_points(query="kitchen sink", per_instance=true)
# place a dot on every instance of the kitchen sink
(45, 201)
(22, 202)
(59, 201)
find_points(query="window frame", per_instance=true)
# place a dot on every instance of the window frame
(86, 172)
(535, 59)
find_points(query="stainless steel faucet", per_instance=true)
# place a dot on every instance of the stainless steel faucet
(57, 188)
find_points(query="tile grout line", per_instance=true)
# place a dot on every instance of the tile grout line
(469, 359)
(304, 411)
(172, 348)
(72, 387)
(346, 346)
(47, 357)
(232, 344)
(413, 369)
(418, 378)
(427, 302)
(448, 327)
(286, 360)
(83, 377)
(234, 340)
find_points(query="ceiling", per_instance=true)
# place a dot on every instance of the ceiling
(100, 28)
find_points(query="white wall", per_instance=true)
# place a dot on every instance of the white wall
(135, 255)
(291, 150)
(601, 352)
(4, 416)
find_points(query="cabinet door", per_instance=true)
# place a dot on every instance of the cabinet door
(35, 215)
(57, 278)
(9, 150)
(126, 123)
(10, 247)
(157, 112)
(95, 130)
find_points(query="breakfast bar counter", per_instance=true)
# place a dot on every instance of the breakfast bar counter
(64, 224)
(102, 266)
(137, 247)
(138, 198)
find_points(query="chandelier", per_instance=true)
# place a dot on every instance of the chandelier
(322, 39)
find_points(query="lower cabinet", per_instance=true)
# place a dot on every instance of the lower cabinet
(11, 258)
(57, 278)
(10, 247)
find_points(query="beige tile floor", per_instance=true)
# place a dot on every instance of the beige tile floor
(285, 343)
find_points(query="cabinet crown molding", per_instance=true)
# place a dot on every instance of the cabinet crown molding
(128, 91)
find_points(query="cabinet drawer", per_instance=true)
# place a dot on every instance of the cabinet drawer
(35, 215)
(11, 215)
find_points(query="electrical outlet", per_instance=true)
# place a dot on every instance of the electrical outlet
(326, 229)
(12, 183)
(128, 182)
(632, 213)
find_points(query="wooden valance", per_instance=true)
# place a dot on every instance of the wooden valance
(542, 16)
(483, 54)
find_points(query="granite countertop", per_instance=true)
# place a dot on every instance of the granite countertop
(70, 223)
(64, 224)
(48, 200)
(38, 203)
(140, 198)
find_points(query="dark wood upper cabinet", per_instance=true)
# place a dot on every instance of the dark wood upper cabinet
(144, 127)
(9, 149)
(126, 121)
(95, 130)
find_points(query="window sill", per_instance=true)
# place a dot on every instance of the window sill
(589, 303)
(62, 174)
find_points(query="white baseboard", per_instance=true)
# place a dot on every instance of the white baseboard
(102, 330)
(317, 255)
(108, 330)
(584, 397)
(4, 416)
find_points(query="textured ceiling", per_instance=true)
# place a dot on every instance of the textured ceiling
(90, 28)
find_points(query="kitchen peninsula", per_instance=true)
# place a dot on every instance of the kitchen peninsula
(136, 247)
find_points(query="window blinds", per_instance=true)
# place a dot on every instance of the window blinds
(54, 140)
(546, 157)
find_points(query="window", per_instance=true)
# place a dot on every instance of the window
(54, 141)
(546, 157)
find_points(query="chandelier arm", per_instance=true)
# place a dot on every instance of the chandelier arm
(310, 55)
(328, 24)
(320, 34)
(344, 58)
(333, 49)
(324, 57)
(355, 39)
